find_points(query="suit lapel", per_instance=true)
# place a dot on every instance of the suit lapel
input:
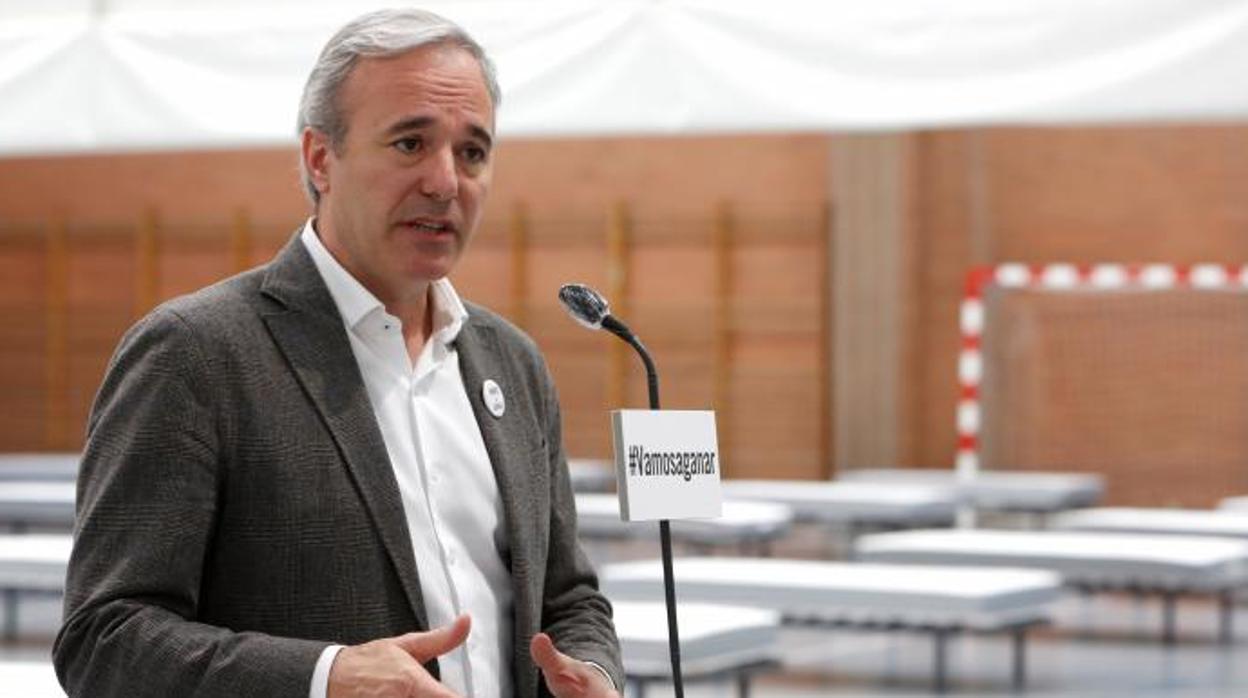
(510, 440)
(310, 333)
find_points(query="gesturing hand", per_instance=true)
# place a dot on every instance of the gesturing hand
(391, 667)
(567, 677)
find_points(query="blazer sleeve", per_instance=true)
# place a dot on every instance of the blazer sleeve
(574, 612)
(147, 501)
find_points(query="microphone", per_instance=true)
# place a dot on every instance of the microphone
(590, 309)
(584, 304)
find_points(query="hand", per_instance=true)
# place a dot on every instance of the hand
(567, 677)
(391, 667)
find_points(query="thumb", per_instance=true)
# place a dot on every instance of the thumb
(550, 660)
(427, 645)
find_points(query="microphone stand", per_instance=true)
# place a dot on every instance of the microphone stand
(620, 330)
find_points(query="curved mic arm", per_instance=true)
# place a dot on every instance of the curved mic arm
(619, 329)
(589, 308)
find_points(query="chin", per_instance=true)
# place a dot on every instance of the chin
(430, 264)
(429, 272)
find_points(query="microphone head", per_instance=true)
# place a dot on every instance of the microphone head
(584, 304)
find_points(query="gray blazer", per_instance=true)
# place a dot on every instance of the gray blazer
(237, 510)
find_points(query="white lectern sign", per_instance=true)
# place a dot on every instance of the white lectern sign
(666, 464)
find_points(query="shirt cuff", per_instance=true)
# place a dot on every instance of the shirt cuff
(610, 681)
(320, 675)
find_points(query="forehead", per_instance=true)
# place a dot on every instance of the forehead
(434, 80)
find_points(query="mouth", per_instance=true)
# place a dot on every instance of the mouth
(430, 226)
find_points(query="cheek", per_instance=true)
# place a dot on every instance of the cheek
(474, 194)
(375, 176)
(381, 199)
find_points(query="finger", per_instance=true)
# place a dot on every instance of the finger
(427, 645)
(544, 654)
(550, 660)
(565, 676)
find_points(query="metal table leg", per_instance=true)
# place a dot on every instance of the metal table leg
(1019, 675)
(10, 614)
(1168, 601)
(940, 638)
(1226, 616)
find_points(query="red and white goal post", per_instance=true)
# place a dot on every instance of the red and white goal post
(1139, 278)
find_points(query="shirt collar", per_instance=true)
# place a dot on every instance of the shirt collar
(355, 302)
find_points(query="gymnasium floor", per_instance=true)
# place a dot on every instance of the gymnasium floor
(1099, 646)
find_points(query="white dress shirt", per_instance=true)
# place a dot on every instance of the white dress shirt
(450, 498)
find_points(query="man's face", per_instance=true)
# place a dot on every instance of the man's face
(403, 194)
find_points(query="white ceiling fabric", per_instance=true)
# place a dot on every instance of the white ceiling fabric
(78, 75)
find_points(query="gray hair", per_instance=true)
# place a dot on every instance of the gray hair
(376, 34)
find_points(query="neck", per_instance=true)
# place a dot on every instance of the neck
(416, 313)
(410, 304)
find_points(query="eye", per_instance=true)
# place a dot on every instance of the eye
(408, 145)
(475, 154)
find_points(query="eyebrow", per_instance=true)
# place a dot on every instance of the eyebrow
(414, 123)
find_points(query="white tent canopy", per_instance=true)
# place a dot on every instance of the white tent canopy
(140, 74)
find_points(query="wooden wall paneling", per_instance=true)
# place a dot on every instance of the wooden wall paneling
(872, 186)
(569, 187)
(569, 246)
(1091, 194)
(824, 375)
(484, 273)
(619, 270)
(950, 236)
(671, 306)
(193, 254)
(56, 324)
(187, 185)
(101, 305)
(241, 234)
(724, 335)
(518, 238)
(1075, 194)
(23, 336)
(147, 263)
(775, 386)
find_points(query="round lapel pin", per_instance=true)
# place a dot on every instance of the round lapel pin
(493, 396)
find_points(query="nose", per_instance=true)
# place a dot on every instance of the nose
(439, 181)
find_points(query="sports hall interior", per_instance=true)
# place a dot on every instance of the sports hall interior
(809, 286)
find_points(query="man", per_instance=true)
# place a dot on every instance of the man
(333, 450)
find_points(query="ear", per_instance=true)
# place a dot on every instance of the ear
(316, 150)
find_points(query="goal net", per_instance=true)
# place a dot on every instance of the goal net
(1139, 373)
